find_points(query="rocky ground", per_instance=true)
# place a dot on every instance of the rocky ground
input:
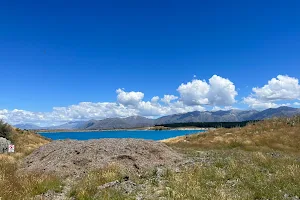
(73, 157)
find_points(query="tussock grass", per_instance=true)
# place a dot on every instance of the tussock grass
(259, 161)
(26, 141)
(281, 134)
(15, 185)
(23, 186)
(86, 188)
(237, 175)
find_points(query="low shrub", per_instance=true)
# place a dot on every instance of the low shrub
(5, 130)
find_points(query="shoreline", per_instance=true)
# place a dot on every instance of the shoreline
(133, 129)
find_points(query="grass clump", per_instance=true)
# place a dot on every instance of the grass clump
(86, 188)
(24, 186)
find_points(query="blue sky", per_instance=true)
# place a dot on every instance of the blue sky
(62, 53)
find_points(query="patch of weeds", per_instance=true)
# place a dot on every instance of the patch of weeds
(220, 163)
(87, 188)
(235, 144)
(24, 186)
(52, 184)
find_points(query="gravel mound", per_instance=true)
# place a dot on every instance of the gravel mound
(73, 157)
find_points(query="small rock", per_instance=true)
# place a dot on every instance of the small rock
(159, 192)
(139, 197)
(126, 178)
(162, 182)
(160, 172)
(127, 186)
(177, 170)
(162, 198)
(107, 185)
(275, 154)
(210, 183)
(232, 183)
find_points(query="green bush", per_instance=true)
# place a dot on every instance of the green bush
(5, 129)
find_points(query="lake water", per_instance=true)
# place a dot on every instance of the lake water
(142, 134)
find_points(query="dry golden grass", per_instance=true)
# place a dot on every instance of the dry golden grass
(278, 134)
(23, 186)
(259, 161)
(237, 175)
(26, 141)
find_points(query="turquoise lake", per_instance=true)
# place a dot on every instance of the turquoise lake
(141, 134)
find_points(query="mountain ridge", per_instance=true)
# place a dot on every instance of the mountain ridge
(233, 115)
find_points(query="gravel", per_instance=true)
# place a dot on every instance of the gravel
(75, 158)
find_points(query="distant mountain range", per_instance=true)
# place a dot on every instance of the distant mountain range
(27, 126)
(69, 125)
(118, 123)
(196, 116)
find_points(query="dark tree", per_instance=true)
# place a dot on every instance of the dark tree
(5, 129)
(210, 124)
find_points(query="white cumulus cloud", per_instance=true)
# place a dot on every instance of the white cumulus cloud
(297, 103)
(222, 91)
(278, 89)
(259, 104)
(155, 99)
(194, 93)
(168, 98)
(218, 92)
(129, 98)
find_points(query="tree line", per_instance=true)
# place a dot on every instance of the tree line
(209, 124)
